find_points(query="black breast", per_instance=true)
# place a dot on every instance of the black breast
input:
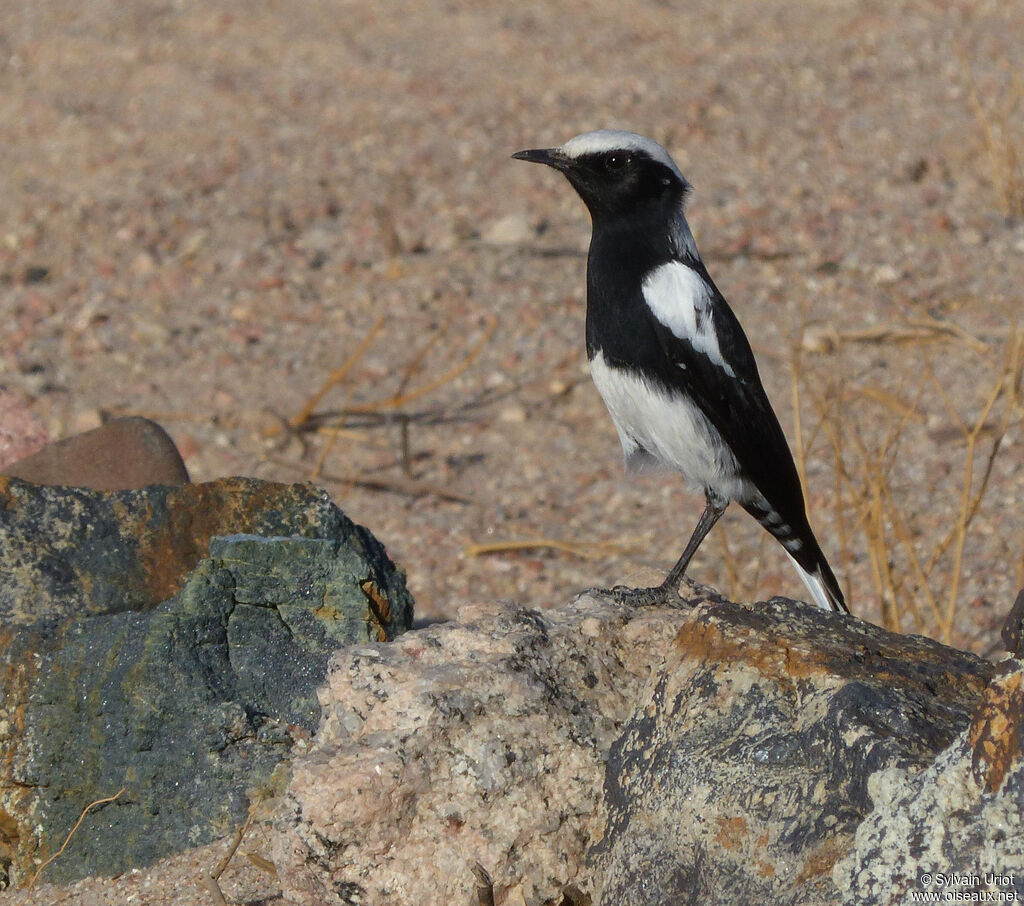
(619, 323)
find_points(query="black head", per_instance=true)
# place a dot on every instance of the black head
(617, 173)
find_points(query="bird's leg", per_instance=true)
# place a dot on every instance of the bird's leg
(669, 589)
(713, 511)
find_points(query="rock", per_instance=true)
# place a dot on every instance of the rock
(189, 706)
(482, 740)
(1012, 632)
(743, 774)
(71, 551)
(122, 454)
(512, 229)
(955, 828)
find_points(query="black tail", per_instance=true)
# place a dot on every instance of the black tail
(805, 552)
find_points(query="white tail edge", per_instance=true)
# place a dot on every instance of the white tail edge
(816, 587)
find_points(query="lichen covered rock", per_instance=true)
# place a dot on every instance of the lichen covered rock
(189, 705)
(744, 772)
(955, 828)
(71, 551)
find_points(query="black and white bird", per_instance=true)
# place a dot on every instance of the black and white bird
(670, 359)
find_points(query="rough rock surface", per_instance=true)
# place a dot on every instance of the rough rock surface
(744, 772)
(189, 705)
(1013, 628)
(122, 454)
(814, 737)
(958, 825)
(71, 551)
(480, 740)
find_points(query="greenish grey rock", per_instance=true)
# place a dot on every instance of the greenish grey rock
(189, 706)
(72, 551)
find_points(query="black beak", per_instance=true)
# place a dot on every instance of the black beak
(553, 157)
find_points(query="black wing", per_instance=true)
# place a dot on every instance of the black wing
(735, 403)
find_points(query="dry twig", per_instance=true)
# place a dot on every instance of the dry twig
(338, 375)
(211, 881)
(72, 832)
(588, 550)
(484, 886)
(905, 576)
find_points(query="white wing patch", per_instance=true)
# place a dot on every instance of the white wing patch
(680, 299)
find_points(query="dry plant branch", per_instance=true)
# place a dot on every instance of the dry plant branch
(401, 397)
(397, 400)
(915, 580)
(71, 833)
(824, 338)
(882, 511)
(998, 139)
(339, 374)
(407, 487)
(1007, 382)
(588, 550)
(971, 502)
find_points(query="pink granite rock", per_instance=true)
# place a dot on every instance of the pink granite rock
(482, 740)
(20, 434)
(123, 454)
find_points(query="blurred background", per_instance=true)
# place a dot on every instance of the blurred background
(291, 233)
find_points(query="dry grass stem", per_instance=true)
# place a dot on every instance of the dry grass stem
(402, 396)
(798, 432)
(213, 889)
(72, 832)
(484, 886)
(405, 486)
(824, 338)
(970, 501)
(264, 865)
(906, 411)
(998, 138)
(339, 374)
(918, 583)
(397, 400)
(415, 363)
(588, 550)
(334, 432)
(211, 881)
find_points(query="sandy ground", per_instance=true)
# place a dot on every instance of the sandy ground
(208, 208)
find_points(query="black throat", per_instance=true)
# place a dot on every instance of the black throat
(624, 249)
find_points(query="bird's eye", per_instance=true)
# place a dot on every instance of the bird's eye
(615, 162)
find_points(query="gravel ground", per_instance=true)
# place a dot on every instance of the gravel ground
(209, 207)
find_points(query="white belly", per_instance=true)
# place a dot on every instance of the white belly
(670, 430)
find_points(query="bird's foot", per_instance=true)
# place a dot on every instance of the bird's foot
(658, 595)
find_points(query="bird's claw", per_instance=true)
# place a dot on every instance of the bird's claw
(658, 595)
